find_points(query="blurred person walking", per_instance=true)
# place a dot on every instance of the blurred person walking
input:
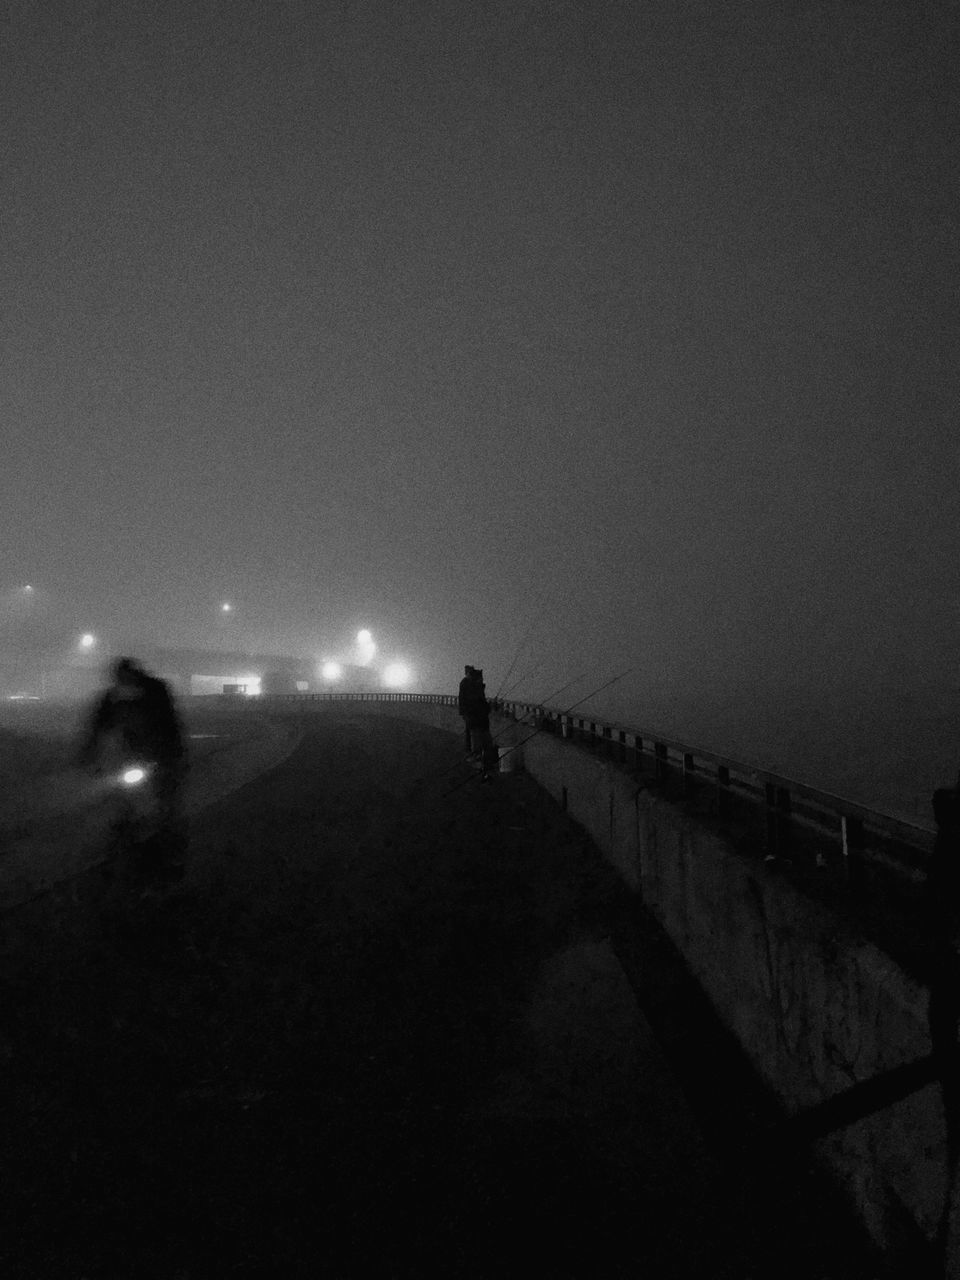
(136, 719)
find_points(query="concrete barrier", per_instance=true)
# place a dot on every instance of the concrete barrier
(815, 1007)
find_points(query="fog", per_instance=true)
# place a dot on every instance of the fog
(566, 338)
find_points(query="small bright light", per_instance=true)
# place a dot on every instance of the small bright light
(28, 587)
(87, 641)
(251, 686)
(365, 648)
(133, 776)
(396, 675)
(226, 608)
(331, 671)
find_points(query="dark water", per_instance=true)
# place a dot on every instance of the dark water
(889, 751)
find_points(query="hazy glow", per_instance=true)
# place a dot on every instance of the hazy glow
(331, 671)
(226, 608)
(251, 685)
(366, 648)
(133, 776)
(396, 675)
(87, 641)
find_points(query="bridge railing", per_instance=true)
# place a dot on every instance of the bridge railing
(782, 809)
(787, 808)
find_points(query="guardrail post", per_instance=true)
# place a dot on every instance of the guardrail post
(661, 761)
(778, 810)
(622, 747)
(770, 801)
(606, 745)
(724, 797)
(851, 835)
(688, 772)
(784, 822)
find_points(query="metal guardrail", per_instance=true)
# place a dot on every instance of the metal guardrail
(787, 807)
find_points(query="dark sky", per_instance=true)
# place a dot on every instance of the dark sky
(635, 323)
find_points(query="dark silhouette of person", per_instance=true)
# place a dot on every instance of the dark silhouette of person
(137, 714)
(466, 700)
(476, 714)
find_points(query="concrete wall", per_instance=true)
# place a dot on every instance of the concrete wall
(815, 1007)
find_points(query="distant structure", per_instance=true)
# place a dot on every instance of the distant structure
(76, 672)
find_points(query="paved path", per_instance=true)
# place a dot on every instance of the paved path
(379, 1033)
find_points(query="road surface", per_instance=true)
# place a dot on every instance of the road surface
(380, 1031)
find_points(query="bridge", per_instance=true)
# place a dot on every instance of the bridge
(634, 1009)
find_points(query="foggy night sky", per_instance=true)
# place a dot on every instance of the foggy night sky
(428, 316)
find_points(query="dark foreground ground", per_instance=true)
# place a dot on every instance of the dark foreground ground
(380, 1031)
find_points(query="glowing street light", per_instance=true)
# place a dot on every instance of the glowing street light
(226, 607)
(87, 641)
(365, 647)
(396, 675)
(331, 671)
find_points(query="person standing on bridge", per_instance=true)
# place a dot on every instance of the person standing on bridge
(465, 700)
(476, 714)
(137, 716)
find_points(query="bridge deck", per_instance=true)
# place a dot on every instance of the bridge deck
(381, 1030)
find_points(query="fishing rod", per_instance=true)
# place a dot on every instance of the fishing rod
(556, 693)
(537, 612)
(526, 676)
(573, 706)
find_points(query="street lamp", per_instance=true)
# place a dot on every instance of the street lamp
(366, 647)
(87, 641)
(226, 607)
(396, 675)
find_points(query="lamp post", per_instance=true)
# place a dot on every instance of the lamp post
(34, 632)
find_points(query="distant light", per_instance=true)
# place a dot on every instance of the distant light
(87, 641)
(28, 587)
(331, 671)
(133, 776)
(396, 675)
(226, 608)
(24, 697)
(251, 686)
(365, 648)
